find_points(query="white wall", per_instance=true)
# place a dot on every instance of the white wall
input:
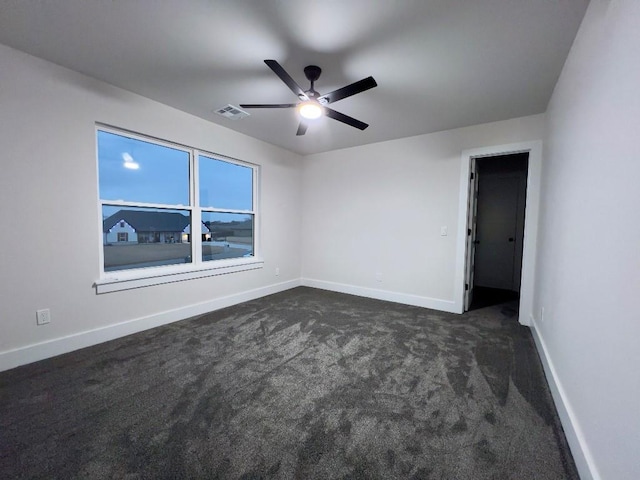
(48, 158)
(379, 209)
(588, 274)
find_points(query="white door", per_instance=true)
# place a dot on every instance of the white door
(472, 210)
(496, 231)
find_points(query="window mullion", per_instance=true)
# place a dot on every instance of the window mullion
(227, 210)
(123, 203)
(196, 215)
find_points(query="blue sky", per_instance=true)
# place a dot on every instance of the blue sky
(162, 175)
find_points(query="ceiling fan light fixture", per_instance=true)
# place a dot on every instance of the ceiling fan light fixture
(310, 110)
(129, 162)
(313, 105)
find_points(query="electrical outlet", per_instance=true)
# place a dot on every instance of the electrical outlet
(43, 316)
(378, 277)
(277, 271)
(444, 231)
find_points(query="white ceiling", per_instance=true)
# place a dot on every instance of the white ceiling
(439, 64)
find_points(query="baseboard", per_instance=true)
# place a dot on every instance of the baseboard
(407, 299)
(39, 351)
(572, 431)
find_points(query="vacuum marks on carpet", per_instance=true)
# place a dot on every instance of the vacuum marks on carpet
(304, 384)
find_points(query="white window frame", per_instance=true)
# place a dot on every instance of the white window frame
(113, 281)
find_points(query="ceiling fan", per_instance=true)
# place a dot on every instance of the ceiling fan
(313, 105)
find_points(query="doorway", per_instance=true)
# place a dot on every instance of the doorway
(497, 203)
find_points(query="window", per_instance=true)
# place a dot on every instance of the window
(170, 209)
(226, 200)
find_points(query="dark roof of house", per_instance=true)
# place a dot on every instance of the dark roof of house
(143, 221)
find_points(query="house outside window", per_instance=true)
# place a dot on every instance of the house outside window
(170, 208)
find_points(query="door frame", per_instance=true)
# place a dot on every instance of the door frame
(534, 148)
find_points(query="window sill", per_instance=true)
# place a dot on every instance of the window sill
(129, 279)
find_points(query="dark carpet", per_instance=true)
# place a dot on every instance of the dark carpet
(304, 384)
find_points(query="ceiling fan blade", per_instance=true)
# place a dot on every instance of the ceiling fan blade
(272, 105)
(344, 92)
(341, 117)
(302, 128)
(286, 78)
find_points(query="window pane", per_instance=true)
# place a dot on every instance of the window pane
(226, 235)
(145, 237)
(225, 185)
(138, 171)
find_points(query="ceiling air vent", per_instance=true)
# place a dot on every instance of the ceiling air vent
(231, 112)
